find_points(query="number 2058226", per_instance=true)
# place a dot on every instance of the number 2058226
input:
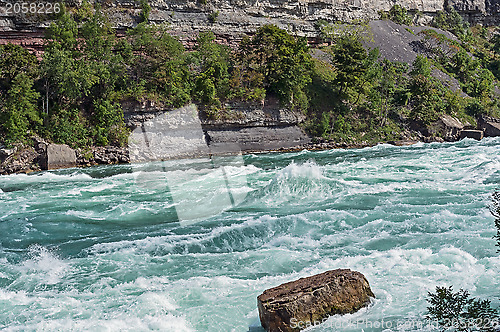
(32, 7)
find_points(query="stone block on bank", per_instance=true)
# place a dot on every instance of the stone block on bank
(469, 133)
(489, 125)
(295, 305)
(57, 156)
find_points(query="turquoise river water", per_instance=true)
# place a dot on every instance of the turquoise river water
(97, 250)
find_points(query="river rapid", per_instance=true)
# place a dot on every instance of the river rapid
(104, 249)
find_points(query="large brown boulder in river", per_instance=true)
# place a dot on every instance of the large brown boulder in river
(295, 305)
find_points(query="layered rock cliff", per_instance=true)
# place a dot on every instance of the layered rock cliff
(234, 17)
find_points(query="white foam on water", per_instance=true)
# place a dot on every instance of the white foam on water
(165, 322)
(98, 188)
(151, 244)
(46, 177)
(308, 169)
(427, 226)
(86, 215)
(44, 266)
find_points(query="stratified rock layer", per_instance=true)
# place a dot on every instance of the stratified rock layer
(186, 18)
(294, 305)
(469, 133)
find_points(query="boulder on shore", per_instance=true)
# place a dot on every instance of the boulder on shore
(490, 125)
(296, 305)
(57, 156)
(447, 127)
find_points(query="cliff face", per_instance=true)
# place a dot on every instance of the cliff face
(246, 126)
(299, 16)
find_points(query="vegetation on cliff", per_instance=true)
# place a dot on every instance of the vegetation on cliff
(73, 94)
(376, 99)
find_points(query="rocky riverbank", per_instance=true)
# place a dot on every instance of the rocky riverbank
(39, 155)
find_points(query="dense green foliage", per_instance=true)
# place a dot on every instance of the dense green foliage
(349, 94)
(18, 100)
(450, 20)
(374, 98)
(283, 61)
(388, 95)
(74, 94)
(459, 311)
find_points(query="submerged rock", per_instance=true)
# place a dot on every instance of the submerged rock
(295, 305)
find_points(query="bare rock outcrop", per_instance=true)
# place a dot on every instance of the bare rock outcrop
(294, 305)
(57, 156)
(236, 17)
(490, 125)
(18, 159)
(447, 127)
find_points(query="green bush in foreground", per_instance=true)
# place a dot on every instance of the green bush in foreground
(457, 310)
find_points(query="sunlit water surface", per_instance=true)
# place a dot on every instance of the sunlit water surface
(93, 249)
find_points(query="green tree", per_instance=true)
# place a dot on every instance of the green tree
(421, 66)
(109, 126)
(69, 126)
(145, 11)
(424, 92)
(460, 311)
(349, 58)
(463, 65)
(158, 65)
(383, 95)
(103, 70)
(61, 71)
(399, 14)
(63, 33)
(213, 60)
(82, 69)
(20, 113)
(481, 84)
(15, 60)
(284, 62)
(450, 20)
